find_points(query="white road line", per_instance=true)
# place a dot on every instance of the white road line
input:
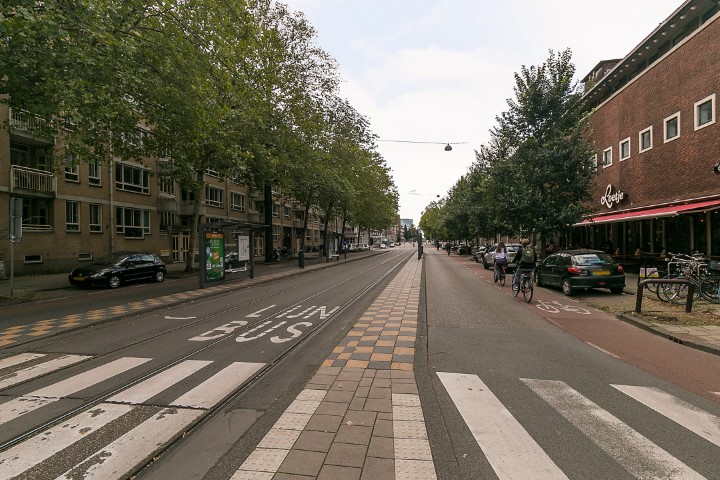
(41, 369)
(46, 444)
(217, 387)
(689, 416)
(18, 359)
(603, 350)
(39, 398)
(511, 451)
(160, 382)
(123, 455)
(638, 455)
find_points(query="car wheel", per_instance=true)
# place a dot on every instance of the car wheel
(566, 287)
(487, 267)
(616, 290)
(159, 276)
(114, 281)
(538, 280)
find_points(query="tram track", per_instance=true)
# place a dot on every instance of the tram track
(390, 265)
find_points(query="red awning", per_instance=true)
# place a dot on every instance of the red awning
(650, 213)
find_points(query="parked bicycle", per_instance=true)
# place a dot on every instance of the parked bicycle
(526, 286)
(682, 266)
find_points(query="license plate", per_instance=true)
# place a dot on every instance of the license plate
(79, 279)
(601, 272)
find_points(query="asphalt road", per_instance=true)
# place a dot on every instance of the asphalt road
(522, 392)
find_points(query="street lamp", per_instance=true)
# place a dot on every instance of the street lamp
(448, 146)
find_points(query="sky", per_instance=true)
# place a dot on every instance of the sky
(442, 70)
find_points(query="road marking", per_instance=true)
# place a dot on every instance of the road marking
(168, 317)
(160, 382)
(45, 396)
(120, 457)
(634, 452)
(603, 350)
(694, 419)
(40, 369)
(18, 359)
(46, 444)
(257, 314)
(511, 451)
(218, 386)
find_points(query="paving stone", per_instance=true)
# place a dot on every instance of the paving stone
(378, 469)
(380, 392)
(302, 463)
(360, 418)
(335, 472)
(332, 408)
(412, 449)
(248, 475)
(405, 388)
(383, 447)
(384, 350)
(303, 406)
(324, 423)
(344, 385)
(362, 392)
(264, 460)
(414, 470)
(360, 356)
(347, 455)
(383, 428)
(402, 358)
(365, 382)
(277, 438)
(408, 413)
(383, 374)
(314, 441)
(380, 365)
(328, 371)
(339, 396)
(287, 476)
(405, 400)
(409, 429)
(357, 403)
(378, 405)
(292, 421)
(355, 434)
(323, 379)
(400, 374)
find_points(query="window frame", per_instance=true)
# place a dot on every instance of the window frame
(214, 196)
(640, 139)
(620, 148)
(72, 216)
(129, 185)
(696, 107)
(94, 173)
(675, 116)
(121, 226)
(605, 157)
(72, 169)
(234, 205)
(95, 227)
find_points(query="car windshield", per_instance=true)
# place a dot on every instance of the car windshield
(112, 259)
(593, 259)
(512, 249)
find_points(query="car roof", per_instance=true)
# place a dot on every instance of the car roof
(578, 251)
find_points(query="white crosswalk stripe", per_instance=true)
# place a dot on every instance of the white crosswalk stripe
(515, 455)
(123, 447)
(28, 373)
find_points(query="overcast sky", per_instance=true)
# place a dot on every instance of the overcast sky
(442, 70)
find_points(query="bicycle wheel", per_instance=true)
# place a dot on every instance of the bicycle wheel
(515, 289)
(502, 279)
(709, 289)
(528, 291)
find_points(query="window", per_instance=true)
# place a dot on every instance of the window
(672, 127)
(72, 169)
(277, 230)
(132, 222)
(625, 149)
(167, 185)
(287, 212)
(37, 258)
(705, 112)
(167, 221)
(94, 173)
(275, 210)
(645, 139)
(72, 216)
(85, 256)
(237, 201)
(95, 218)
(607, 157)
(213, 196)
(212, 173)
(132, 179)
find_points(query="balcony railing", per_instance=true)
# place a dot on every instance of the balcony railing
(22, 120)
(31, 179)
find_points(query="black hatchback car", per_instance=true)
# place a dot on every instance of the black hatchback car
(119, 267)
(572, 270)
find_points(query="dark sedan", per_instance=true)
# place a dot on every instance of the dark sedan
(572, 270)
(117, 268)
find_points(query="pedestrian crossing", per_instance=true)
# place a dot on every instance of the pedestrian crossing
(112, 438)
(515, 455)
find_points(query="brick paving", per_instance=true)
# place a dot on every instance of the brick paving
(359, 417)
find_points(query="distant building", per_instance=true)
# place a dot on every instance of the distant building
(406, 222)
(657, 139)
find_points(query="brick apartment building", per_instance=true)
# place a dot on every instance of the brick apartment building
(74, 213)
(657, 140)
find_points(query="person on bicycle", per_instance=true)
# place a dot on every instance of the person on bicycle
(447, 247)
(525, 260)
(501, 259)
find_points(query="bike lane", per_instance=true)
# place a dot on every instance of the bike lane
(691, 369)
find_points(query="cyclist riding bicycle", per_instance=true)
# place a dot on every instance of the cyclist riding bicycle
(525, 260)
(501, 260)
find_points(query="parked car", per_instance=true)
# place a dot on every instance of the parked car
(117, 268)
(572, 270)
(478, 252)
(488, 258)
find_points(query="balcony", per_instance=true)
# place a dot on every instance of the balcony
(23, 124)
(253, 216)
(31, 181)
(186, 209)
(167, 204)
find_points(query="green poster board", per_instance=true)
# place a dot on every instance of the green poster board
(214, 256)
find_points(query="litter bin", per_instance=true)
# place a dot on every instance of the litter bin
(301, 259)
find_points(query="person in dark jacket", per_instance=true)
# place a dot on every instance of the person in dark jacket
(523, 266)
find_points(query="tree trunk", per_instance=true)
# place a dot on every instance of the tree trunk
(199, 194)
(268, 201)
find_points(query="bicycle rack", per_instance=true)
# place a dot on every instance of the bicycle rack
(641, 287)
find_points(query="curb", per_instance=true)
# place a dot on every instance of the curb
(658, 331)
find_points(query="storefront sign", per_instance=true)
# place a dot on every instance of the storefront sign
(611, 198)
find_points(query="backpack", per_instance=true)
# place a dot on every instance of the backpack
(528, 255)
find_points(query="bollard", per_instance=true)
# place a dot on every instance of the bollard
(301, 259)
